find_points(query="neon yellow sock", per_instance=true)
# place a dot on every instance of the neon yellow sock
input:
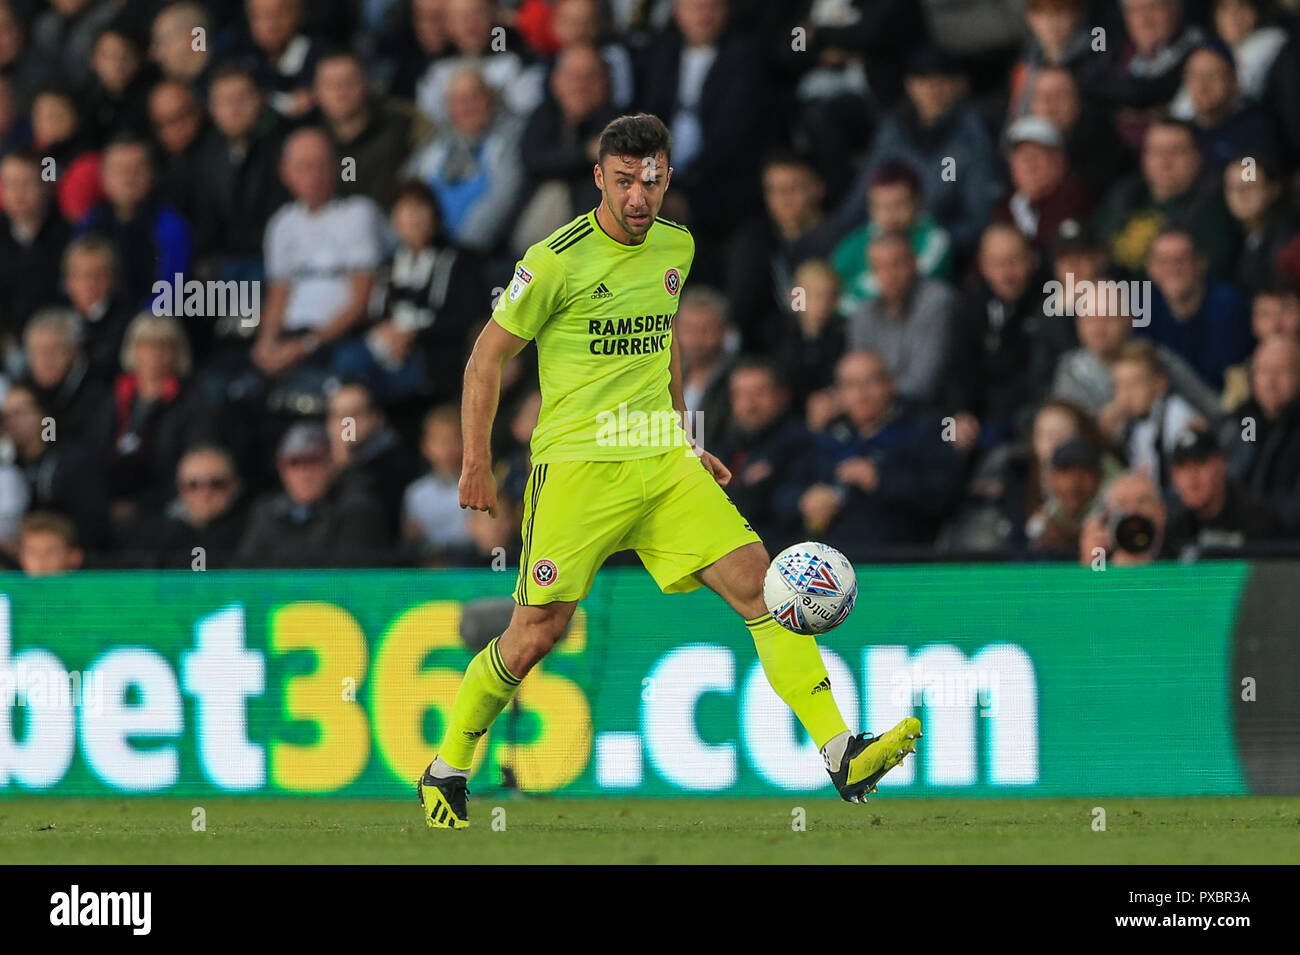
(488, 686)
(795, 670)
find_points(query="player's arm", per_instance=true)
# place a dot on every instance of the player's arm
(715, 467)
(495, 347)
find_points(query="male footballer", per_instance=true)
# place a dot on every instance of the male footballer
(598, 296)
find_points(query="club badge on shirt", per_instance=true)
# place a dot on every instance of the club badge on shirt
(672, 281)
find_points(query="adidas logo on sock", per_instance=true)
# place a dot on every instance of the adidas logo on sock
(825, 684)
(602, 292)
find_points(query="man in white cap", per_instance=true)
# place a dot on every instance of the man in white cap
(1044, 191)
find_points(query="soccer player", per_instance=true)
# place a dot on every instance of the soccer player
(615, 468)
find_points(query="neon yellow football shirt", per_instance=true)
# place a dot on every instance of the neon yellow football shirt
(601, 313)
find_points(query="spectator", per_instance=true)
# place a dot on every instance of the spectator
(1275, 310)
(934, 130)
(1265, 430)
(813, 340)
(18, 65)
(1212, 511)
(317, 520)
(14, 497)
(762, 447)
(201, 526)
(561, 144)
(118, 89)
(894, 203)
(1073, 478)
(1244, 25)
(1044, 190)
(472, 164)
(1059, 39)
(58, 373)
(153, 242)
(516, 86)
(1225, 124)
(1092, 149)
(32, 237)
(157, 413)
(62, 475)
(1150, 417)
(1202, 321)
(909, 326)
(764, 256)
(1011, 483)
(90, 283)
(1083, 374)
(321, 256)
(373, 134)
(175, 29)
(63, 37)
(701, 331)
(1137, 542)
(1253, 194)
(283, 55)
(1004, 345)
(366, 450)
(880, 476)
(47, 545)
(433, 522)
(407, 51)
(179, 125)
(1168, 193)
(1148, 69)
(707, 83)
(58, 136)
(581, 23)
(238, 163)
(433, 294)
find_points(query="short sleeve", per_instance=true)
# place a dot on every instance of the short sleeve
(535, 293)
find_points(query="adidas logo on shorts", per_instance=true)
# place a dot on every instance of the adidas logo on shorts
(602, 292)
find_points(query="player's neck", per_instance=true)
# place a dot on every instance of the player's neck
(605, 219)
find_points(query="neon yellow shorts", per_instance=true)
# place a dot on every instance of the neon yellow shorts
(667, 508)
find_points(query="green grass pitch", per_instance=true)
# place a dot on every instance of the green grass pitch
(542, 830)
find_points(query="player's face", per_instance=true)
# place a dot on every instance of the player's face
(633, 187)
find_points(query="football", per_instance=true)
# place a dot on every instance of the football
(810, 588)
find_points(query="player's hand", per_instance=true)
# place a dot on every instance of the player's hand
(478, 489)
(715, 467)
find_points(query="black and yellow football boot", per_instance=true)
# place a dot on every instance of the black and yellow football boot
(444, 802)
(867, 758)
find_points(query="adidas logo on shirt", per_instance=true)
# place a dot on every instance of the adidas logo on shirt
(602, 292)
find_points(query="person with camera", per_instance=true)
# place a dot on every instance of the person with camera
(1127, 527)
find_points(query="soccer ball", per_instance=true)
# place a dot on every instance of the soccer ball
(810, 588)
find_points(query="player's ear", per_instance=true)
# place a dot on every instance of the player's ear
(599, 175)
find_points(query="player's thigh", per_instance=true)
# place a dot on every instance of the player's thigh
(575, 513)
(688, 523)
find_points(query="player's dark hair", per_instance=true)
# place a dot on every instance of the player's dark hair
(642, 134)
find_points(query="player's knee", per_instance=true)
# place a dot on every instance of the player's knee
(535, 634)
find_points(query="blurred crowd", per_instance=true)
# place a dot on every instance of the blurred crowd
(1013, 280)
